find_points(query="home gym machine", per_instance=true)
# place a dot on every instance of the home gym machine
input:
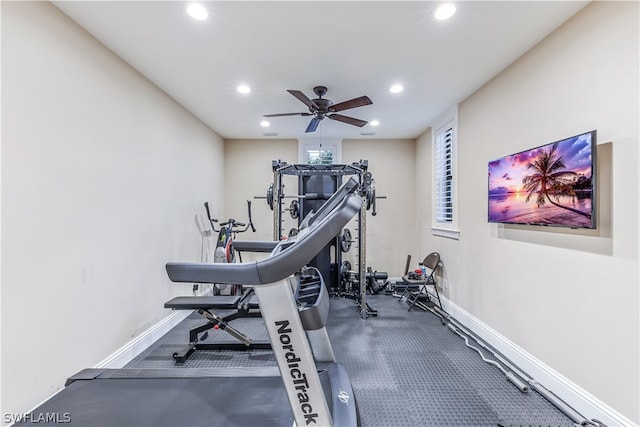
(307, 387)
(316, 183)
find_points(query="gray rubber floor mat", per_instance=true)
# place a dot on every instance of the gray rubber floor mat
(406, 368)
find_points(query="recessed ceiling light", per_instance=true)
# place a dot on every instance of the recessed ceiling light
(197, 11)
(374, 122)
(445, 11)
(244, 89)
(396, 88)
(265, 124)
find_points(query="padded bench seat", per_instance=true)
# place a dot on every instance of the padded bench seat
(223, 302)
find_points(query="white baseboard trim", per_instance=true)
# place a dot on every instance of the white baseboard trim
(579, 399)
(130, 350)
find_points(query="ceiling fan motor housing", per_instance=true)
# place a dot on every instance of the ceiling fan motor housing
(323, 105)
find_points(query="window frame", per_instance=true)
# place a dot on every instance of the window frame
(305, 145)
(447, 122)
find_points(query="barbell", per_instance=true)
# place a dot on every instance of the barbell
(369, 195)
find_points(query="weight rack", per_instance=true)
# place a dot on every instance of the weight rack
(316, 183)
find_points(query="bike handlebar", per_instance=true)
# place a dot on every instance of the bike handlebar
(231, 222)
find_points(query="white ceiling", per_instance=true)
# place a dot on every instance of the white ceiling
(354, 48)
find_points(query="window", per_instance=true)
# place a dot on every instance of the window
(313, 152)
(319, 156)
(444, 151)
(443, 156)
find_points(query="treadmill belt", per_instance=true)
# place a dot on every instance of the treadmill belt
(154, 402)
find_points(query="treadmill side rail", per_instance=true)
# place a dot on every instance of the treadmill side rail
(85, 374)
(345, 407)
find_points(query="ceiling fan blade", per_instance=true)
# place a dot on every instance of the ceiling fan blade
(352, 103)
(287, 114)
(347, 119)
(302, 97)
(313, 125)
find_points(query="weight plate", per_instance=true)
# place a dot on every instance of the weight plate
(345, 240)
(270, 196)
(345, 269)
(370, 195)
(294, 209)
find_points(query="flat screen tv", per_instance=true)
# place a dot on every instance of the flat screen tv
(551, 185)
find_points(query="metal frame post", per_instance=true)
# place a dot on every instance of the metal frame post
(362, 259)
(277, 209)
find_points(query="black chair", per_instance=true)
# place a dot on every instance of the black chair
(427, 288)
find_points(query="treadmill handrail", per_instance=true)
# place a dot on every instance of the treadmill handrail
(287, 257)
(254, 245)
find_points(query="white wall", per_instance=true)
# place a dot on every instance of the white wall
(390, 234)
(248, 173)
(102, 174)
(569, 298)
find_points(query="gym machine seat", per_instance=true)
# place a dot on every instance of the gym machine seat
(220, 302)
(307, 388)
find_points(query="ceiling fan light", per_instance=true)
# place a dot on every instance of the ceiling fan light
(265, 124)
(397, 88)
(197, 11)
(445, 11)
(374, 122)
(244, 89)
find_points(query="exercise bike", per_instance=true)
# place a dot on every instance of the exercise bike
(225, 251)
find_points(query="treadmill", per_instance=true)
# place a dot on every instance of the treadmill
(307, 388)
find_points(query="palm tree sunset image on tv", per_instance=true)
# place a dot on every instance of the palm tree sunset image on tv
(548, 185)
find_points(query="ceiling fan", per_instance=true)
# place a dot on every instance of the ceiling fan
(320, 108)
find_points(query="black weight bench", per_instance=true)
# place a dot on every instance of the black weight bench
(220, 302)
(245, 305)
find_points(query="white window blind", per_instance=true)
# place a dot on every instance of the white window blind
(444, 176)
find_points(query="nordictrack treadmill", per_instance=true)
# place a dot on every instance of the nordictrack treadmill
(307, 388)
